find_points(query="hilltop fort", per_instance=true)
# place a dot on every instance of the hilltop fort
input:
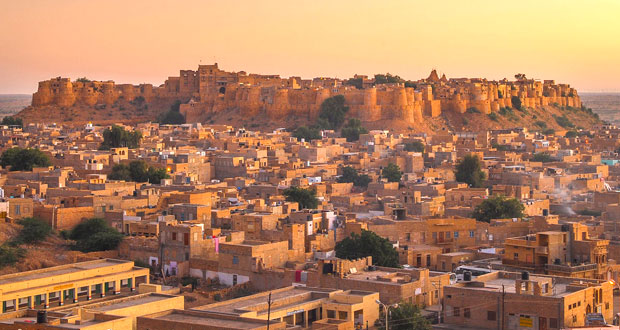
(209, 91)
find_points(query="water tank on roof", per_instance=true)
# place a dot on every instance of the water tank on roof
(467, 276)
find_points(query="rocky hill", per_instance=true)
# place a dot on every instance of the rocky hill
(211, 95)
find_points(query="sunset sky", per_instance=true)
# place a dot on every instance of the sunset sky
(130, 41)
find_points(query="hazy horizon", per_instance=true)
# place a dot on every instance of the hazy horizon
(146, 42)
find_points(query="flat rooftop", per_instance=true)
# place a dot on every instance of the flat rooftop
(59, 270)
(209, 320)
(130, 301)
(246, 304)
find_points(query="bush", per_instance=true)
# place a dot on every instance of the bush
(95, 235)
(34, 230)
(549, 131)
(493, 116)
(563, 121)
(9, 255)
(541, 124)
(590, 213)
(571, 134)
(472, 110)
(20, 159)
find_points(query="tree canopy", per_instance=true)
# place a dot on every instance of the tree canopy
(368, 244)
(392, 173)
(95, 235)
(542, 157)
(352, 130)
(173, 116)
(415, 146)
(406, 316)
(305, 197)
(468, 170)
(34, 230)
(24, 159)
(307, 133)
(12, 121)
(498, 207)
(332, 112)
(138, 171)
(116, 137)
(349, 174)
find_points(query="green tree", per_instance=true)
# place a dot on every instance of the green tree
(368, 244)
(468, 170)
(116, 137)
(349, 174)
(516, 102)
(305, 197)
(173, 116)
(415, 146)
(498, 207)
(332, 112)
(542, 157)
(120, 172)
(95, 235)
(352, 130)
(571, 134)
(10, 254)
(12, 121)
(392, 173)
(34, 230)
(406, 316)
(20, 159)
(138, 171)
(307, 133)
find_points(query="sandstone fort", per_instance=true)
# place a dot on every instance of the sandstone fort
(210, 90)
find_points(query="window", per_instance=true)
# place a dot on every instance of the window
(457, 311)
(456, 234)
(435, 236)
(471, 233)
(186, 256)
(606, 305)
(553, 323)
(18, 209)
(466, 313)
(235, 260)
(491, 316)
(174, 236)
(570, 307)
(447, 234)
(331, 314)
(342, 315)
(516, 256)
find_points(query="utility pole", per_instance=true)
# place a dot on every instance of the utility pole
(268, 310)
(503, 298)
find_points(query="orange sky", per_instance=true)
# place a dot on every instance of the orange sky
(146, 41)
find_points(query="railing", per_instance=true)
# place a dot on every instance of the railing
(570, 269)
